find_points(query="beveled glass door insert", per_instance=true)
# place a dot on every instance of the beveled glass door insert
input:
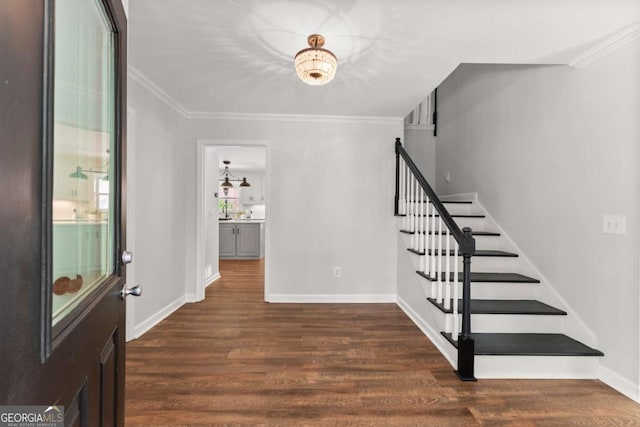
(83, 141)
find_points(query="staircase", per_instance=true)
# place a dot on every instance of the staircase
(519, 326)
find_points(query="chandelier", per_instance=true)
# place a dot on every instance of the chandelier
(315, 65)
(228, 177)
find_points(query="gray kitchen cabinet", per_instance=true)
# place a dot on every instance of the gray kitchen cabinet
(241, 240)
(227, 240)
(248, 240)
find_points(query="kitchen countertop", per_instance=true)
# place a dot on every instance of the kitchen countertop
(79, 221)
(242, 221)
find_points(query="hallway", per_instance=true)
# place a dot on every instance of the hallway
(235, 360)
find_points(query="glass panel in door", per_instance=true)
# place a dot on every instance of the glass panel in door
(84, 137)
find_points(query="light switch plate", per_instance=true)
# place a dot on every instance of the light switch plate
(614, 224)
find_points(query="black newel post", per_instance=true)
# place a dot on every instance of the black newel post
(466, 345)
(397, 199)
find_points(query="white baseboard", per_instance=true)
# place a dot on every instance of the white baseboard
(619, 383)
(433, 335)
(209, 280)
(144, 326)
(189, 298)
(331, 298)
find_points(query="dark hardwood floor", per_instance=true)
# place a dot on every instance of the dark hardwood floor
(235, 360)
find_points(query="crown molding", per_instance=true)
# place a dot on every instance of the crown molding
(293, 118)
(146, 83)
(610, 44)
(137, 76)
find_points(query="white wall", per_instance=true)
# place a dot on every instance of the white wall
(331, 204)
(550, 150)
(211, 247)
(160, 206)
(421, 146)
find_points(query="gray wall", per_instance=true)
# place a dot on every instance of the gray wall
(550, 150)
(330, 204)
(421, 146)
(158, 229)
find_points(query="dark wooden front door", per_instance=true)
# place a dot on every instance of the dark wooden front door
(62, 139)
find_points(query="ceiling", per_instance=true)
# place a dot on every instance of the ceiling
(249, 158)
(236, 56)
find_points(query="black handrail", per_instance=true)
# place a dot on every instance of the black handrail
(467, 247)
(467, 244)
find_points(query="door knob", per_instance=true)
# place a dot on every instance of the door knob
(127, 257)
(136, 291)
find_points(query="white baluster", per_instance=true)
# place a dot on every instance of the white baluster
(411, 206)
(426, 258)
(405, 181)
(418, 218)
(439, 260)
(407, 202)
(434, 271)
(456, 320)
(413, 210)
(447, 287)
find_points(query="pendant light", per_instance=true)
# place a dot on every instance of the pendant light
(228, 176)
(78, 174)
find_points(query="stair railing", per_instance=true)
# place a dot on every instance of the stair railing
(428, 222)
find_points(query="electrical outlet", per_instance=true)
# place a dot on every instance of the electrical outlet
(337, 272)
(614, 224)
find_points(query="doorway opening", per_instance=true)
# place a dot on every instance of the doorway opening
(232, 220)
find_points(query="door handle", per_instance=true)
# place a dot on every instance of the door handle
(127, 257)
(136, 291)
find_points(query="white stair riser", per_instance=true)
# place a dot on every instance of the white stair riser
(474, 223)
(512, 323)
(482, 242)
(460, 208)
(489, 290)
(536, 367)
(486, 264)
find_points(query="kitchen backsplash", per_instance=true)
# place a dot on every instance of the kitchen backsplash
(258, 211)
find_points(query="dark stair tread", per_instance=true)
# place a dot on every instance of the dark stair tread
(479, 252)
(458, 216)
(527, 344)
(473, 233)
(500, 306)
(488, 277)
(454, 202)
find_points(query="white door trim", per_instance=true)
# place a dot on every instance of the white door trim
(131, 221)
(201, 144)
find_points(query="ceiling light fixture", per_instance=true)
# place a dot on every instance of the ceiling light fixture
(226, 184)
(315, 65)
(80, 173)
